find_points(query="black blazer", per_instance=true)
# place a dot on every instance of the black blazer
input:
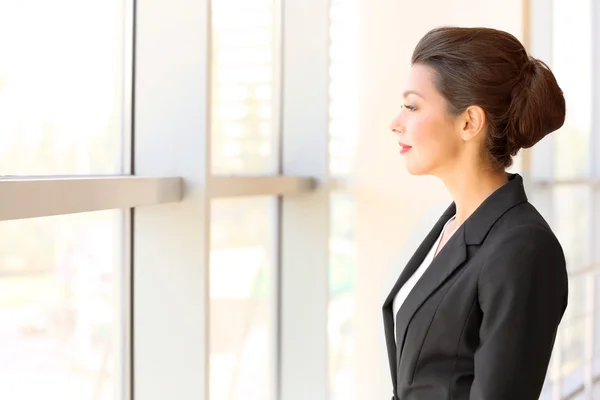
(481, 322)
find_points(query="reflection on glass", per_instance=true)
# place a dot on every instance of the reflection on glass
(343, 89)
(572, 65)
(244, 81)
(342, 276)
(61, 87)
(242, 298)
(61, 307)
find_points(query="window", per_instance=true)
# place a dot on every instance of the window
(245, 86)
(65, 97)
(243, 296)
(341, 313)
(245, 134)
(573, 160)
(343, 134)
(564, 183)
(64, 87)
(343, 87)
(63, 323)
(163, 234)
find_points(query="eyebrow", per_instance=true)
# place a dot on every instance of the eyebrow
(405, 94)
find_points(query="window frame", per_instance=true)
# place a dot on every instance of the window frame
(538, 174)
(171, 242)
(166, 193)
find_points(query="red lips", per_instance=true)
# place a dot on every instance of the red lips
(404, 148)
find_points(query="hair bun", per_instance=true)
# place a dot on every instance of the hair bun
(529, 68)
(491, 69)
(537, 106)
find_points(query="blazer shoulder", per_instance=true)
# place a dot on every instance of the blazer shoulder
(523, 221)
(520, 243)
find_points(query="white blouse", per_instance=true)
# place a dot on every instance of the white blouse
(412, 281)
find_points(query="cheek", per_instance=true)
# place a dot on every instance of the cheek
(433, 138)
(427, 133)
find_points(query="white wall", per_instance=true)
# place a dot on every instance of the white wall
(390, 202)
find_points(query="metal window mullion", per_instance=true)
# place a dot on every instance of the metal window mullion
(542, 156)
(124, 304)
(588, 355)
(526, 154)
(305, 219)
(595, 169)
(172, 242)
(277, 288)
(128, 140)
(127, 84)
(594, 147)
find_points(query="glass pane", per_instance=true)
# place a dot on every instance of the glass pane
(343, 89)
(342, 277)
(62, 87)
(62, 313)
(245, 86)
(243, 298)
(572, 64)
(572, 224)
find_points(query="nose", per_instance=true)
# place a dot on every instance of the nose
(396, 125)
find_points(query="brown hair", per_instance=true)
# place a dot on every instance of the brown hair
(491, 69)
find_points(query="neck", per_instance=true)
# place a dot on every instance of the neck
(470, 188)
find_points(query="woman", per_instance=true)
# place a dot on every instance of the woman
(475, 311)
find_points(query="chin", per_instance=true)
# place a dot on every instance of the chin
(416, 170)
(416, 173)
(419, 166)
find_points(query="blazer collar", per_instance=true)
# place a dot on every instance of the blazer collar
(449, 259)
(497, 204)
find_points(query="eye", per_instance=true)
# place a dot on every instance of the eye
(409, 107)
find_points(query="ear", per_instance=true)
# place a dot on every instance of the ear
(472, 122)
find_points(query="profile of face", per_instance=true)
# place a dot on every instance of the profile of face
(429, 136)
(466, 108)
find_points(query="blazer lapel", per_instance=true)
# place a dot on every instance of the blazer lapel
(448, 260)
(413, 264)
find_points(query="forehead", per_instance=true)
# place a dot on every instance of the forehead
(420, 79)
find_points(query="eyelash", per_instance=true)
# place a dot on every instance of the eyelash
(409, 108)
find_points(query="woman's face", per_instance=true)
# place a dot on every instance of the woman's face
(428, 135)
